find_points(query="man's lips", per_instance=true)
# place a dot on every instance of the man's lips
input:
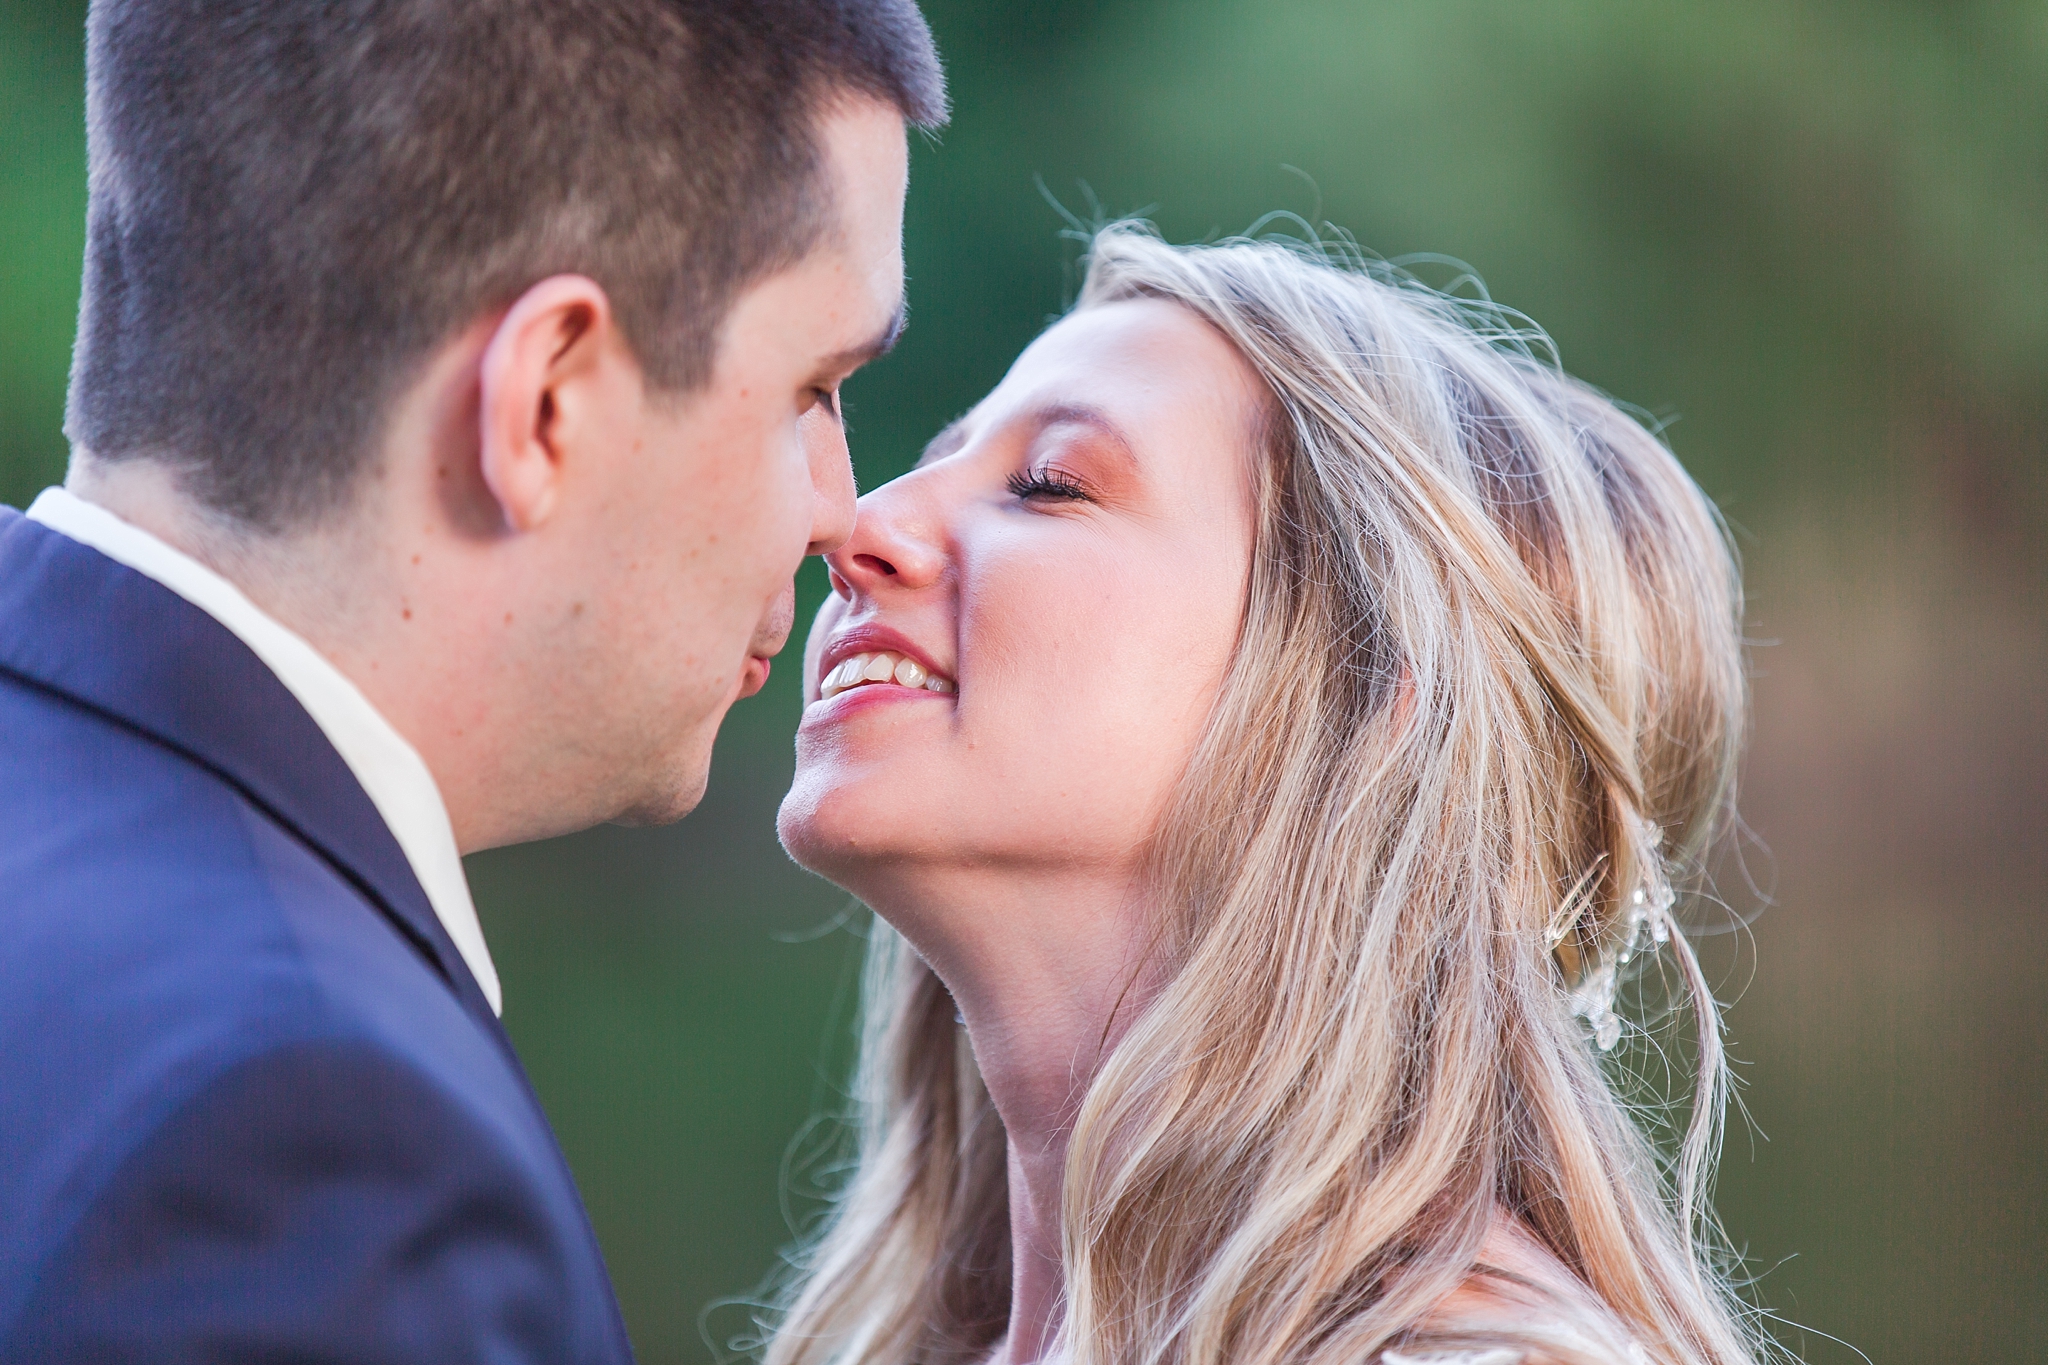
(769, 638)
(754, 674)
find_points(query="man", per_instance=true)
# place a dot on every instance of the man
(455, 396)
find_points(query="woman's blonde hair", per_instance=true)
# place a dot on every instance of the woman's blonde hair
(1488, 694)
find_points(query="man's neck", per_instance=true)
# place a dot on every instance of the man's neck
(147, 495)
(329, 584)
(291, 576)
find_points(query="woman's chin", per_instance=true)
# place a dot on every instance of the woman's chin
(828, 829)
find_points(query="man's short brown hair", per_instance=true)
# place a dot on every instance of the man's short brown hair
(293, 201)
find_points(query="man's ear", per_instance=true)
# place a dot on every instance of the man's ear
(554, 337)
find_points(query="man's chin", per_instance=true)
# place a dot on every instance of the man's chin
(667, 807)
(665, 793)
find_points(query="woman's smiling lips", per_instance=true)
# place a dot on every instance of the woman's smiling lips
(873, 658)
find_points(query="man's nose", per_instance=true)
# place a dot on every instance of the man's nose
(832, 488)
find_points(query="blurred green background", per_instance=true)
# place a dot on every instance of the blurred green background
(1816, 234)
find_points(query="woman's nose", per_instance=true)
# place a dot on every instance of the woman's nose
(894, 544)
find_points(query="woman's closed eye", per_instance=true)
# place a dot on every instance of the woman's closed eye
(1050, 484)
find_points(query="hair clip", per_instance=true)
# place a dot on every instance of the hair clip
(1646, 925)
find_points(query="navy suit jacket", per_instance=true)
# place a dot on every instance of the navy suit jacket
(253, 1107)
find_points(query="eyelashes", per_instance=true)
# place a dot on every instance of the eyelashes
(1049, 483)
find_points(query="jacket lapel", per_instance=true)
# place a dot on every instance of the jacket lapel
(74, 622)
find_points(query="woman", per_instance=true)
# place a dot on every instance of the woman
(1268, 721)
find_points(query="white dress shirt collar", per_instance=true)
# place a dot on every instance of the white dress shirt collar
(390, 769)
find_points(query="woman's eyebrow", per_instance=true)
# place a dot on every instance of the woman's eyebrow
(1095, 419)
(949, 439)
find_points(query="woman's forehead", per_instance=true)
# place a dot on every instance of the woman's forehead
(1125, 371)
(1162, 341)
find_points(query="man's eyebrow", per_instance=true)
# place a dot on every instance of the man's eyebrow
(884, 342)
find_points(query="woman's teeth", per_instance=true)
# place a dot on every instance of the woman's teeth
(881, 667)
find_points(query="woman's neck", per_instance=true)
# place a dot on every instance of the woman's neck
(1042, 1010)
(1037, 1052)
(1037, 1277)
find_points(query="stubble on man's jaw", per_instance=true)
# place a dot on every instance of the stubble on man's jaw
(681, 790)
(668, 806)
(773, 632)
